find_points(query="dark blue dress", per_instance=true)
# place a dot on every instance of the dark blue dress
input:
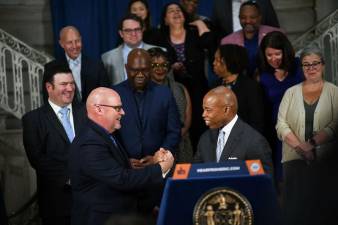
(273, 94)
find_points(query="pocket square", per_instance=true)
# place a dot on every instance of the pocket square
(232, 158)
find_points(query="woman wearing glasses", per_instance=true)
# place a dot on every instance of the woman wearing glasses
(162, 74)
(307, 126)
(279, 69)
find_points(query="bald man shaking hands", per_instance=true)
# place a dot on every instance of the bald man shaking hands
(103, 181)
(229, 138)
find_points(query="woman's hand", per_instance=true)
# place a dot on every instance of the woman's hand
(201, 26)
(306, 150)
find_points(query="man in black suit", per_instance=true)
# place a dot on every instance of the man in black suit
(46, 139)
(229, 138)
(222, 15)
(88, 73)
(103, 181)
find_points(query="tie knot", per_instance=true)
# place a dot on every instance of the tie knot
(75, 62)
(64, 111)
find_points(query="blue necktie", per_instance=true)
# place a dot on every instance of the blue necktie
(66, 123)
(220, 145)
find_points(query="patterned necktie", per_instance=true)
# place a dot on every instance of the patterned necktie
(66, 123)
(220, 145)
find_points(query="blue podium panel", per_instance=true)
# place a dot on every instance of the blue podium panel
(181, 196)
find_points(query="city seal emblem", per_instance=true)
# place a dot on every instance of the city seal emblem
(223, 206)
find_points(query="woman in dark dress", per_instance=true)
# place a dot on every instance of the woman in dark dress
(229, 64)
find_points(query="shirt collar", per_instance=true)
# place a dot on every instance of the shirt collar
(128, 49)
(227, 128)
(78, 59)
(57, 108)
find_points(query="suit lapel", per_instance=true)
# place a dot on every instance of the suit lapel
(55, 122)
(148, 99)
(83, 74)
(115, 148)
(232, 141)
(78, 117)
(130, 103)
(213, 144)
(119, 61)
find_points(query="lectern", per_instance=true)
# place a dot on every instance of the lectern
(227, 193)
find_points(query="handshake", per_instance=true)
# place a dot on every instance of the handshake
(162, 156)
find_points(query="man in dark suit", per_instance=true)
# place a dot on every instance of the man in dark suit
(222, 15)
(151, 121)
(229, 138)
(47, 135)
(103, 181)
(88, 73)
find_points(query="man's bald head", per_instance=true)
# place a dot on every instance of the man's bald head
(138, 68)
(224, 96)
(67, 29)
(219, 107)
(104, 107)
(139, 54)
(70, 41)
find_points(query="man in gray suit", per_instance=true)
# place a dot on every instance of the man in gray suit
(229, 138)
(131, 30)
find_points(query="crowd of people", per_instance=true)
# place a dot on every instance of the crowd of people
(110, 130)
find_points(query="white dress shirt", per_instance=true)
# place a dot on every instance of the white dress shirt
(57, 108)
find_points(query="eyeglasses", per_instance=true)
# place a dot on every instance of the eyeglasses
(117, 108)
(130, 31)
(314, 65)
(160, 65)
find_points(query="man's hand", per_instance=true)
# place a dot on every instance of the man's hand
(148, 160)
(167, 162)
(136, 164)
(160, 155)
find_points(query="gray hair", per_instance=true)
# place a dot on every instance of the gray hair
(312, 49)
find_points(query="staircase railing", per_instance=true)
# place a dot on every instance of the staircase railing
(325, 36)
(21, 69)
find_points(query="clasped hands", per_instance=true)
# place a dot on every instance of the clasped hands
(306, 150)
(162, 156)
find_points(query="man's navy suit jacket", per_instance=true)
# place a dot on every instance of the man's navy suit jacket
(159, 126)
(103, 182)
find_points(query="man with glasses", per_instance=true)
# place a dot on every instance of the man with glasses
(151, 120)
(103, 182)
(131, 30)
